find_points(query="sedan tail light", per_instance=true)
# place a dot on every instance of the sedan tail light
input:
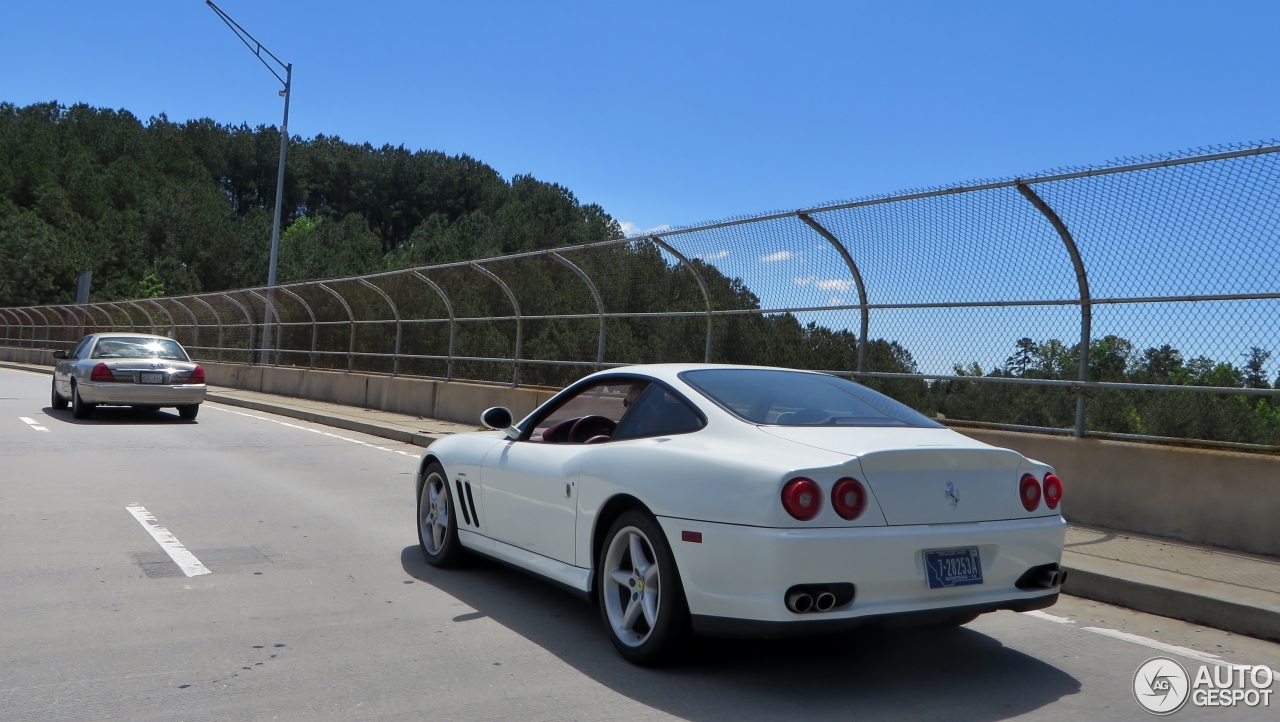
(1052, 491)
(802, 498)
(1029, 492)
(849, 498)
(197, 375)
(101, 373)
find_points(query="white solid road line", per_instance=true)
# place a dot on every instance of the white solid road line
(314, 431)
(1206, 657)
(168, 542)
(32, 423)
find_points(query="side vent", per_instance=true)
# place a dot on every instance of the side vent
(462, 507)
(472, 503)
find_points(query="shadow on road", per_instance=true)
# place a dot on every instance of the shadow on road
(117, 415)
(956, 674)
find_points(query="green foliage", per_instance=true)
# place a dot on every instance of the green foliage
(89, 189)
(150, 287)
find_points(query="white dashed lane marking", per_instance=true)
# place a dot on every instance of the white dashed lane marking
(32, 423)
(168, 542)
(1137, 639)
(314, 431)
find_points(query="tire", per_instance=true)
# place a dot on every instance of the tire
(438, 520)
(79, 408)
(56, 401)
(646, 625)
(189, 411)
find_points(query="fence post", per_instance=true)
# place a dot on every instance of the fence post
(515, 306)
(311, 357)
(351, 348)
(248, 320)
(453, 321)
(857, 279)
(31, 321)
(595, 294)
(269, 312)
(150, 322)
(216, 319)
(701, 284)
(1086, 304)
(195, 323)
(395, 358)
(8, 336)
(158, 305)
(44, 319)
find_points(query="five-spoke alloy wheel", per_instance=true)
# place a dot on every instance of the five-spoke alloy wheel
(641, 598)
(437, 523)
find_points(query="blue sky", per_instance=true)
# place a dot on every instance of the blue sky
(674, 113)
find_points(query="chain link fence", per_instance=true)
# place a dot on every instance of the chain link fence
(1136, 300)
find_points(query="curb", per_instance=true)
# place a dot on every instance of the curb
(316, 417)
(1159, 592)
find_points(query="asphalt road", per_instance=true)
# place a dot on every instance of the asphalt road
(317, 604)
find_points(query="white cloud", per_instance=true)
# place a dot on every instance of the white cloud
(825, 284)
(779, 256)
(833, 284)
(631, 229)
(835, 301)
(712, 256)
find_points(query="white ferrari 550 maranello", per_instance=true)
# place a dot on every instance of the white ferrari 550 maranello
(738, 501)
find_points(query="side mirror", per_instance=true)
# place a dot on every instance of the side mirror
(500, 419)
(60, 354)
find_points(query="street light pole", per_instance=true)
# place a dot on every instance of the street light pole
(258, 50)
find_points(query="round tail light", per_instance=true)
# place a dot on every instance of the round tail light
(1052, 491)
(802, 498)
(1029, 492)
(849, 498)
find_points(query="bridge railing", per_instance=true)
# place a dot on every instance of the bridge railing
(1138, 299)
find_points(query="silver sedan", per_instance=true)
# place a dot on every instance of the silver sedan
(127, 369)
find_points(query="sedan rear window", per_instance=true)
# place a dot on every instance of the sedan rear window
(797, 398)
(124, 347)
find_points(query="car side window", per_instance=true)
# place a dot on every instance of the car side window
(590, 416)
(658, 412)
(79, 351)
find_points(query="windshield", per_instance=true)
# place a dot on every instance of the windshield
(160, 348)
(797, 398)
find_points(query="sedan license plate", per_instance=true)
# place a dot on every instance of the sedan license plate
(151, 377)
(953, 567)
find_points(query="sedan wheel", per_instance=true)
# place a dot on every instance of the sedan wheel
(79, 408)
(57, 402)
(437, 524)
(641, 598)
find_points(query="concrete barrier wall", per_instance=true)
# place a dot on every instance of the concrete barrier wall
(448, 401)
(1219, 498)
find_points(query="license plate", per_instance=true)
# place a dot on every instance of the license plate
(151, 377)
(953, 567)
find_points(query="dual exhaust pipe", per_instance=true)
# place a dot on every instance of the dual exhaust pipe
(1046, 576)
(804, 598)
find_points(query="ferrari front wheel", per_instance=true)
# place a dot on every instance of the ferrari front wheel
(437, 522)
(641, 597)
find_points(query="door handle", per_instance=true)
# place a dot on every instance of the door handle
(568, 490)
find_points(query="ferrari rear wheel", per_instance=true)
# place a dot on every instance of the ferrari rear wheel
(437, 522)
(641, 597)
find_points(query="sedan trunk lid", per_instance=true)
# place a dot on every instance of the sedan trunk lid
(924, 476)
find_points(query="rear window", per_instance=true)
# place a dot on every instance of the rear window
(796, 398)
(123, 347)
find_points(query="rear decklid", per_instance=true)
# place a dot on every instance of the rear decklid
(923, 476)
